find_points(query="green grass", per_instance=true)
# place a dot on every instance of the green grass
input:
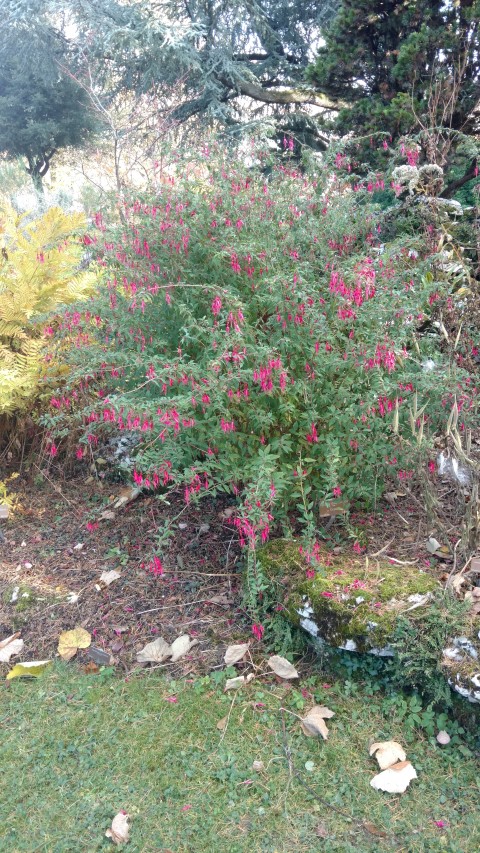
(77, 748)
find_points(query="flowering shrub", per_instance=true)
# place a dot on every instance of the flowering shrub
(254, 336)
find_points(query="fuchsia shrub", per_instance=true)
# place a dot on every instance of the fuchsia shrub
(256, 337)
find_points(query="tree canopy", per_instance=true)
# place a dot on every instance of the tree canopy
(42, 107)
(401, 66)
(230, 63)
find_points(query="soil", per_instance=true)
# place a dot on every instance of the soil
(48, 554)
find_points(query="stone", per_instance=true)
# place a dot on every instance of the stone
(346, 603)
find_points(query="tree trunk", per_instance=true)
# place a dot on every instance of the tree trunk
(38, 184)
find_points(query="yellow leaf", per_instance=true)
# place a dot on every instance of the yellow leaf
(70, 641)
(30, 668)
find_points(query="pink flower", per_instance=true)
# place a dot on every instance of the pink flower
(327, 594)
(258, 631)
(172, 699)
(310, 573)
(155, 567)
(358, 548)
(216, 306)
(53, 449)
(440, 823)
(337, 492)
(431, 466)
(187, 807)
(91, 526)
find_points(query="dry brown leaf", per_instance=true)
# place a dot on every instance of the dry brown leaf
(239, 681)
(155, 652)
(388, 752)
(118, 831)
(394, 781)
(313, 724)
(69, 642)
(234, 654)
(127, 494)
(222, 724)
(282, 667)
(321, 729)
(458, 582)
(374, 830)
(181, 646)
(106, 578)
(10, 646)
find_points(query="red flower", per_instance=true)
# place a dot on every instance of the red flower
(258, 631)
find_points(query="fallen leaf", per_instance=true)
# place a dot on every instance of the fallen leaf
(282, 667)
(78, 546)
(118, 831)
(458, 582)
(69, 642)
(29, 669)
(235, 653)
(107, 515)
(106, 578)
(321, 831)
(155, 652)
(221, 725)
(374, 830)
(432, 545)
(10, 646)
(181, 646)
(239, 681)
(72, 597)
(388, 752)
(90, 668)
(313, 724)
(258, 766)
(126, 495)
(394, 781)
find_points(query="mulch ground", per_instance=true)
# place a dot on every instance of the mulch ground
(48, 554)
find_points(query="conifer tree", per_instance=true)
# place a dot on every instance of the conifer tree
(42, 107)
(401, 66)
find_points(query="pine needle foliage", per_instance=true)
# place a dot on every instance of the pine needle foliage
(40, 269)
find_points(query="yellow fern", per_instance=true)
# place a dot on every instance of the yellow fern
(40, 269)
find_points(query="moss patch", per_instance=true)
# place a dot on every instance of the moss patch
(345, 601)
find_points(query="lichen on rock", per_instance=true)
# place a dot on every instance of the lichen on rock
(461, 666)
(346, 602)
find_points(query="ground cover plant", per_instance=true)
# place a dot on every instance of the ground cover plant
(255, 335)
(179, 757)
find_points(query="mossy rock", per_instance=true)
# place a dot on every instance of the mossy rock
(461, 667)
(346, 602)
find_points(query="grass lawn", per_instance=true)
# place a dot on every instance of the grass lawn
(77, 748)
